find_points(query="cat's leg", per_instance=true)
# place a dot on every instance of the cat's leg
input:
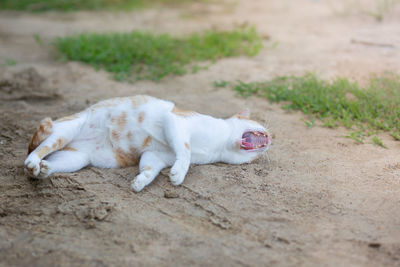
(151, 163)
(42, 132)
(63, 161)
(178, 139)
(63, 132)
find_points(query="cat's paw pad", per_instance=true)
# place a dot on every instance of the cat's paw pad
(45, 169)
(32, 166)
(138, 183)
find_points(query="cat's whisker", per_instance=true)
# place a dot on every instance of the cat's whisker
(266, 155)
(268, 158)
(267, 125)
(268, 121)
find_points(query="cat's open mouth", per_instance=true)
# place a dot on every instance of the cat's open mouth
(254, 140)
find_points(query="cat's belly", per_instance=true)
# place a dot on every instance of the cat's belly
(123, 148)
(135, 131)
(117, 149)
(120, 135)
(105, 154)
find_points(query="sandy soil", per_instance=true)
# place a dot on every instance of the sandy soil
(322, 200)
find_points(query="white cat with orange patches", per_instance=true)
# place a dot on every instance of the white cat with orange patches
(125, 131)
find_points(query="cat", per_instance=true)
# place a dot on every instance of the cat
(125, 131)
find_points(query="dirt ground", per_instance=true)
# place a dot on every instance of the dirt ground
(322, 200)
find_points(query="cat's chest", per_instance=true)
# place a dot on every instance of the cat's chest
(205, 148)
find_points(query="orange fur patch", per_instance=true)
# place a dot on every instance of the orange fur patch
(135, 100)
(43, 151)
(102, 105)
(146, 141)
(138, 100)
(30, 170)
(187, 146)
(182, 113)
(125, 159)
(140, 117)
(120, 120)
(146, 168)
(68, 148)
(240, 117)
(43, 166)
(115, 135)
(44, 130)
(60, 143)
(129, 135)
(37, 138)
(67, 118)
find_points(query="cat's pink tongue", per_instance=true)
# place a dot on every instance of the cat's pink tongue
(254, 140)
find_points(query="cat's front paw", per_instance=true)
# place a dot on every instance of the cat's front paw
(32, 166)
(36, 168)
(45, 169)
(139, 183)
(178, 173)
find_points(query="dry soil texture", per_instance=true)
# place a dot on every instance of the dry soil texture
(322, 199)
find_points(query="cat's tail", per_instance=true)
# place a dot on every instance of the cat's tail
(42, 132)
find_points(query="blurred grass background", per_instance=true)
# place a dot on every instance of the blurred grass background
(139, 55)
(74, 5)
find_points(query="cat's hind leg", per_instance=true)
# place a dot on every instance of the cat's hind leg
(62, 133)
(150, 166)
(63, 161)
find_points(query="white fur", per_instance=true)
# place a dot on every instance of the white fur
(176, 140)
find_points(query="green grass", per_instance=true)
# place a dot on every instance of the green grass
(310, 123)
(73, 5)
(357, 136)
(138, 55)
(38, 39)
(221, 83)
(10, 62)
(382, 7)
(366, 111)
(375, 140)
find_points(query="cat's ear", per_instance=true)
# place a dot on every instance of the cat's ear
(244, 114)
